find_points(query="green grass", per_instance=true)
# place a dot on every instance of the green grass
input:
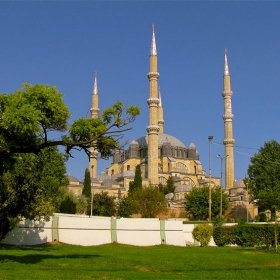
(115, 261)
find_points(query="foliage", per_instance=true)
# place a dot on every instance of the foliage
(264, 178)
(222, 235)
(203, 233)
(169, 188)
(125, 208)
(148, 201)
(102, 205)
(87, 184)
(30, 187)
(217, 221)
(137, 183)
(247, 235)
(197, 202)
(68, 206)
(31, 120)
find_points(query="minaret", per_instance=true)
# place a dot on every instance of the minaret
(94, 110)
(153, 128)
(228, 116)
(160, 114)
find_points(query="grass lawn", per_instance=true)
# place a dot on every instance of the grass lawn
(116, 261)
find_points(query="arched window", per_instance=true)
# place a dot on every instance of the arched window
(128, 167)
(162, 180)
(181, 167)
(112, 172)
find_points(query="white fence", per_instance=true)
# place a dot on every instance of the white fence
(89, 231)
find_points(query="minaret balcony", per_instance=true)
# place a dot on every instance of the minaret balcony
(153, 129)
(229, 141)
(94, 110)
(153, 75)
(228, 116)
(226, 93)
(153, 101)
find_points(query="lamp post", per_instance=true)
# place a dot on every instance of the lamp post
(221, 184)
(210, 174)
(91, 191)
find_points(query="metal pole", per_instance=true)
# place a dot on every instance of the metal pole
(210, 174)
(247, 202)
(221, 184)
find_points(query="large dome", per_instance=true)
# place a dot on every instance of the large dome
(162, 138)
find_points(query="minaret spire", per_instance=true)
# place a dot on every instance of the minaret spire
(153, 128)
(94, 110)
(153, 50)
(160, 113)
(228, 117)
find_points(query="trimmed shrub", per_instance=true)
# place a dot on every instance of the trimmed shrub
(222, 235)
(203, 233)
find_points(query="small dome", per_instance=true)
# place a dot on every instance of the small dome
(133, 142)
(162, 138)
(72, 178)
(239, 184)
(192, 146)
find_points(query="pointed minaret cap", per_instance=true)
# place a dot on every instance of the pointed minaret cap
(226, 69)
(95, 88)
(153, 50)
(159, 97)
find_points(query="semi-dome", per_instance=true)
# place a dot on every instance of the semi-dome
(162, 138)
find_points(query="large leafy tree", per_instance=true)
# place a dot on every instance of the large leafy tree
(30, 188)
(197, 202)
(29, 115)
(148, 201)
(264, 177)
(33, 121)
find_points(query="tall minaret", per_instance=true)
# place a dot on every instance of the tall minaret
(153, 128)
(160, 114)
(228, 116)
(94, 110)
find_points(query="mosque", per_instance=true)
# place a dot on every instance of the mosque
(160, 155)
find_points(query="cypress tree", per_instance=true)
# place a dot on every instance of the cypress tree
(137, 183)
(87, 185)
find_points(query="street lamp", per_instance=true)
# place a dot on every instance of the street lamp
(221, 184)
(91, 191)
(210, 173)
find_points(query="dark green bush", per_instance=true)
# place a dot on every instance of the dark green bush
(203, 233)
(222, 235)
(247, 235)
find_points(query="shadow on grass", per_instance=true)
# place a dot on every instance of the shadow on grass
(36, 258)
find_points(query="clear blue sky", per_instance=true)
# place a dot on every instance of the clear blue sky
(63, 43)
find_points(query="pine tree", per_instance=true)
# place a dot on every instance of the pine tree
(87, 184)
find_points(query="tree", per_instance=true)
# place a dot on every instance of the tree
(29, 114)
(197, 202)
(87, 185)
(31, 186)
(148, 201)
(31, 122)
(169, 188)
(264, 178)
(103, 205)
(137, 183)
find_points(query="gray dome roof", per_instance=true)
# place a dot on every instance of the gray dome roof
(239, 184)
(162, 138)
(72, 178)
